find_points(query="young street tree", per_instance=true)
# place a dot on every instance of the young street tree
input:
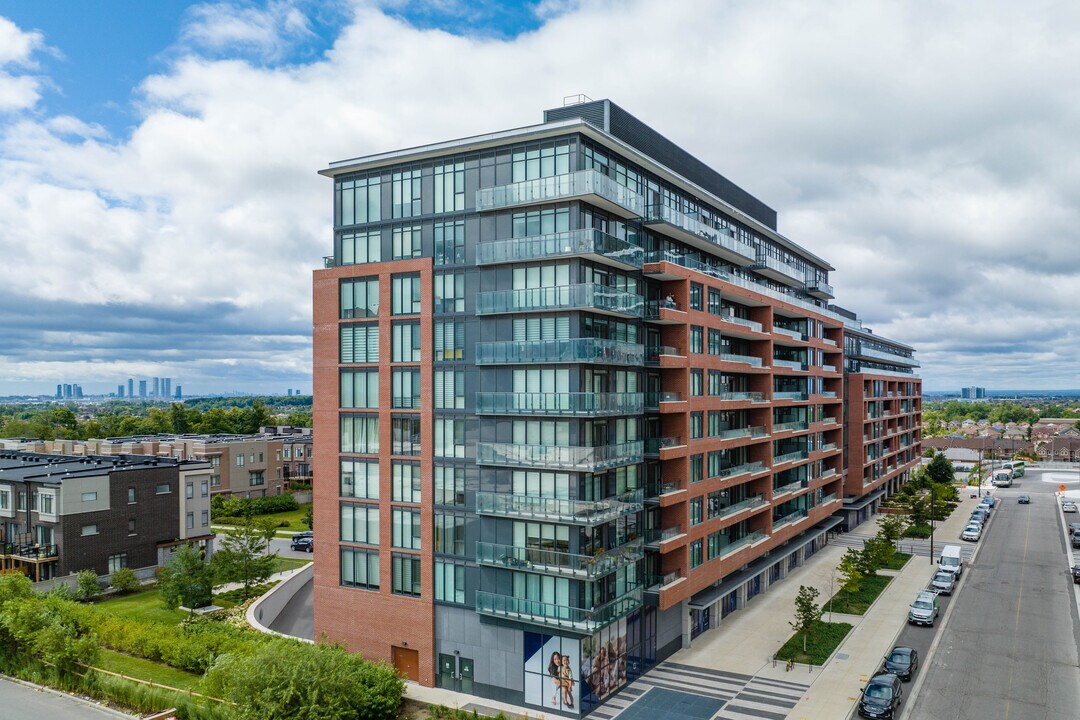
(187, 580)
(807, 612)
(940, 470)
(891, 528)
(243, 556)
(851, 571)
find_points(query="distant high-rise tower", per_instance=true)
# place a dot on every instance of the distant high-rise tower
(131, 388)
(296, 392)
(157, 388)
(290, 392)
(59, 391)
(179, 392)
(120, 390)
(76, 391)
(142, 388)
(67, 390)
(166, 387)
(973, 393)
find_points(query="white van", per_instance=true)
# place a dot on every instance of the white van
(950, 560)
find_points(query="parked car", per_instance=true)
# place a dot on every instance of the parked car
(1073, 527)
(303, 544)
(1075, 537)
(925, 609)
(1068, 506)
(902, 662)
(881, 697)
(1024, 500)
(305, 533)
(985, 507)
(989, 500)
(979, 517)
(943, 583)
(1076, 573)
(972, 532)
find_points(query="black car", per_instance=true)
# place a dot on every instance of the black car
(1024, 500)
(902, 662)
(1076, 573)
(303, 544)
(881, 697)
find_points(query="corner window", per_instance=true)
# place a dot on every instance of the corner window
(360, 298)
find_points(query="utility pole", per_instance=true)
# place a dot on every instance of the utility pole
(932, 494)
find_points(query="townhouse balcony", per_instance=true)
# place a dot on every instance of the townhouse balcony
(571, 512)
(750, 503)
(568, 403)
(576, 350)
(754, 431)
(819, 289)
(559, 457)
(551, 615)
(795, 425)
(727, 547)
(790, 457)
(691, 230)
(746, 468)
(589, 243)
(587, 296)
(31, 552)
(552, 562)
(744, 359)
(790, 364)
(779, 270)
(591, 185)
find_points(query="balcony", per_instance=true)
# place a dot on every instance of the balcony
(829, 341)
(744, 359)
(750, 503)
(790, 488)
(654, 399)
(599, 189)
(691, 230)
(733, 470)
(794, 425)
(894, 358)
(793, 334)
(571, 512)
(654, 354)
(664, 312)
(587, 242)
(799, 396)
(827, 472)
(779, 270)
(534, 612)
(552, 562)
(655, 583)
(562, 297)
(656, 537)
(788, 519)
(828, 447)
(750, 324)
(829, 368)
(754, 397)
(790, 364)
(577, 350)
(588, 404)
(755, 431)
(653, 446)
(655, 257)
(790, 457)
(559, 457)
(826, 499)
(819, 289)
(729, 547)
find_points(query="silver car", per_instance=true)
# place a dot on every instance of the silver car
(972, 532)
(943, 583)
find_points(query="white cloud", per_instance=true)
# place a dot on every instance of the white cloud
(925, 151)
(17, 92)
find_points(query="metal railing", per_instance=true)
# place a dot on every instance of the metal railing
(554, 614)
(566, 457)
(559, 187)
(554, 562)
(560, 297)
(571, 243)
(586, 350)
(583, 512)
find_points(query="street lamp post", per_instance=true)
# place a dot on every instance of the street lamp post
(932, 493)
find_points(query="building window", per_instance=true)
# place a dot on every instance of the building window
(360, 479)
(215, 461)
(204, 488)
(536, 162)
(405, 193)
(534, 223)
(405, 435)
(716, 343)
(449, 582)
(697, 468)
(357, 201)
(695, 511)
(360, 389)
(5, 499)
(189, 490)
(449, 485)
(360, 434)
(450, 340)
(215, 481)
(205, 518)
(117, 562)
(406, 528)
(45, 503)
(358, 248)
(449, 389)
(449, 534)
(163, 489)
(406, 342)
(190, 520)
(697, 385)
(450, 293)
(697, 299)
(240, 460)
(695, 553)
(405, 290)
(89, 530)
(360, 568)
(360, 523)
(697, 339)
(359, 343)
(450, 187)
(87, 497)
(406, 575)
(715, 305)
(131, 526)
(406, 482)
(449, 437)
(256, 478)
(360, 298)
(406, 242)
(696, 425)
(717, 383)
(450, 243)
(406, 389)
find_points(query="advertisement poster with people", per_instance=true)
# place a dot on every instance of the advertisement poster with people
(604, 662)
(551, 672)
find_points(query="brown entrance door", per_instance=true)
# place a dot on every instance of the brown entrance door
(407, 663)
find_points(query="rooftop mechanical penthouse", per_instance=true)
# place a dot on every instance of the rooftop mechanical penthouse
(580, 400)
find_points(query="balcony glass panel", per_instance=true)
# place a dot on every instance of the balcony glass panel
(562, 297)
(751, 396)
(784, 426)
(552, 562)
(586, 350)
(509, 403)
(790, 396)
(572, 457)
(750, 431)
(747, 359)
(561, 616)
(747, 504)
(790, 364)
(677, 258)
(654, 445)
(586, 241)
(790, 456)
(579, 512)
(729, 546)
(752, 467)
(720, 237)
(558, 187)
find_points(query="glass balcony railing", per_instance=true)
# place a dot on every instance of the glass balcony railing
(654, 353)
(885, 356)
(794, 425)
(828, 394)
(572, 243)
(733, 470)
(829, 341)
(577, 512)
(743, 432)
(552, 562)
(790, 487)
(790, 396)
(751, 396)
(561, 297)
(746, 359)
(755, 326)
(720, 237)
(793, 334)
(560, 187)
(820, 288)
(788, 519)
(589, 404)
(829, 368)
(557, 615)
(653, 446)
(779, 267)
(655, 536)
(677, 258)
(653, 399)
(828, 447)
(729, 546)
(826, 499)
(655, 583)
(576, 350)
(790, 456)
(828, 472)
(789, 364)
(561, 457)
(749, 503)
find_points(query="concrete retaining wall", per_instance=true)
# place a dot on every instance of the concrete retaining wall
(264, 611)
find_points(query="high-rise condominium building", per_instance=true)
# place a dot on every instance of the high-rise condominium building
(581, 399)
(131, 388)
(142, 388)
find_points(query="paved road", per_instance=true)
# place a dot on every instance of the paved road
(1009, 648)
(20, 702)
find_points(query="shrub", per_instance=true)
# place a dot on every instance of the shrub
(238, 507)
(87, 585)
(124, 580)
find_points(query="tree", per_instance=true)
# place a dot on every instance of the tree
(891, 528)
(309, 516)
(187, 580)
(940, 470)
(179, 418)
(49, 629)
(87, 585)
(243, 556)
(876, 554)
(124, 580)
(918, 511)
(807, 612)
(851, 574)
(297, 681)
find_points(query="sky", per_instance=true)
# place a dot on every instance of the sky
(161, 215)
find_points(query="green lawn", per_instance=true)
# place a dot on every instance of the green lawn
(899, 560)
(145, 606)
(858, 602)
(823, 638)
(293, 519)
(287, 563)
(147, 670)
